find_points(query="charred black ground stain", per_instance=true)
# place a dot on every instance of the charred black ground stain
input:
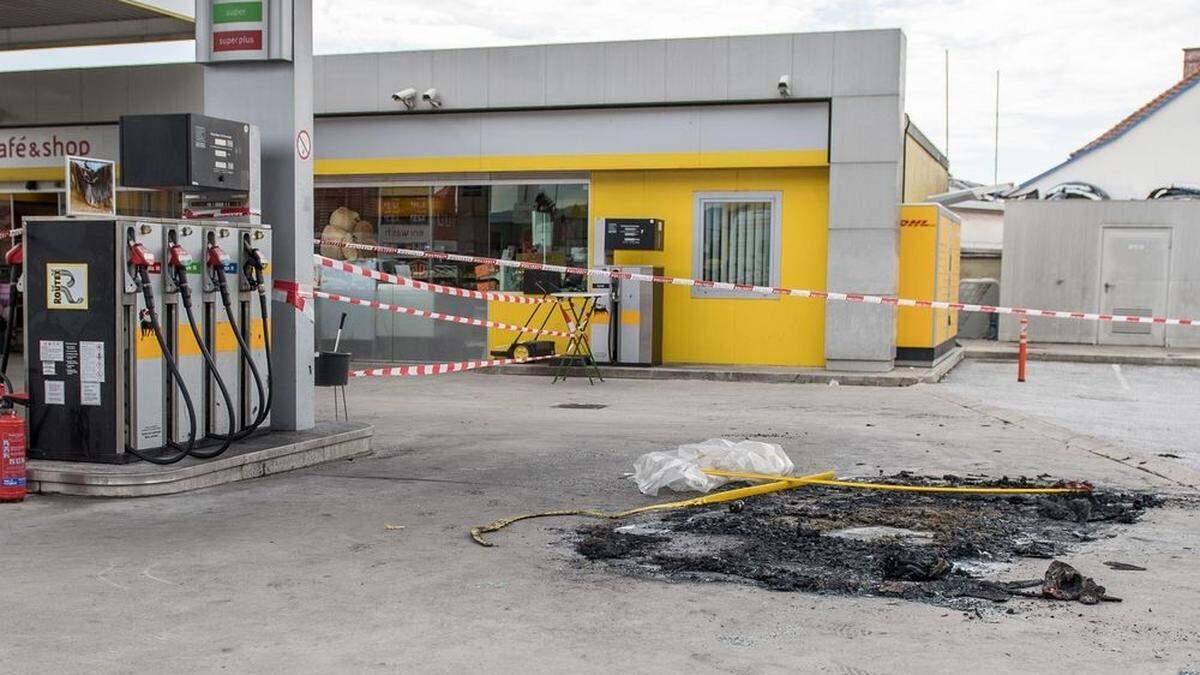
(786, 541)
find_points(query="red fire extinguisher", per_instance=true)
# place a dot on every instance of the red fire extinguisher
(12, 452)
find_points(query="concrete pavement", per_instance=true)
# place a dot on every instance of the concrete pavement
(296, 572)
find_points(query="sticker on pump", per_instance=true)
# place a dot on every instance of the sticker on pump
(66, 285)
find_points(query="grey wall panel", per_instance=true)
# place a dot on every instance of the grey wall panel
(352, 82)
(790, 126)
(812, 65)
(413, 136)
(400, 70)
(698, 69)
(755, 64)
(636, 72)
(319, 103)
(860, 337)
(18, 98)
(866, 129)
(166, 89)
(105, 93)
(516, 77)
(58, 96)
(868, 63)
(1052, 253)
(461, 76)
(764, 127)
(591, 131)
(575, 74)
(864, 261)
(863, 195)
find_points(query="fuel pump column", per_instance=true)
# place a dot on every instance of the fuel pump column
(120, 363)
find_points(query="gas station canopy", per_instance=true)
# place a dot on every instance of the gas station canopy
(37, 24)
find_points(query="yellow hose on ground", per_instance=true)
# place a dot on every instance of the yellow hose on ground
(808, 480)
(784, 483)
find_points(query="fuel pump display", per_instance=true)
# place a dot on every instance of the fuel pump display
(128, 353)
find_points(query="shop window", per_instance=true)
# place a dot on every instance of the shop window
(535, 222)
(538, 223)
(736, 240)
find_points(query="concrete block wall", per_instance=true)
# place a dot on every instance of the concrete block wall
(866, 172)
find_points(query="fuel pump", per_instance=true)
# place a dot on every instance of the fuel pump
(140, 262)
(255, 280)
(217, 261)
(179, 267)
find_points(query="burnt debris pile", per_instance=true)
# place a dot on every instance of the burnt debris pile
(932, 547)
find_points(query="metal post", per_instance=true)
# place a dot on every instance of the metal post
(1023, 349)
(276, 96)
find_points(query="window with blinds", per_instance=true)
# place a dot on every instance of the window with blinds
(738, 239)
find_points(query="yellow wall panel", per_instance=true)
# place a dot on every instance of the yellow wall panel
(767, 331)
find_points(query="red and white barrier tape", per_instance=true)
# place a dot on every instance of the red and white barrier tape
(442, 368)
(425, 286)
(768, 290)
(375, 304)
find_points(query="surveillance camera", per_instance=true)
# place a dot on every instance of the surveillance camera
(785, 85)
(431, 97)
(406, 96)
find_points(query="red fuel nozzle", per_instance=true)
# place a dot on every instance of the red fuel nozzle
(179, 257)
(14, 255)
(139, 256)
(216, 257)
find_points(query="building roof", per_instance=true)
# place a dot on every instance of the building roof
(1121, 128)
(37, 24)
(1141, 114)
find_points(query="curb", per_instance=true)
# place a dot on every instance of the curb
(282, 451)
(998, 354)
(902, 376)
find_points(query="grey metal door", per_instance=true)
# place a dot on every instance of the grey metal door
(1134, 268)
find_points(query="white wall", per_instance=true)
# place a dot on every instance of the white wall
(1163, 149)
(982, 230)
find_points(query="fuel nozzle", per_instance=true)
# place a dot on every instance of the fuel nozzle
(14, 256)
(255, 266)
(178, 260)
(217, 259)
(140, 260)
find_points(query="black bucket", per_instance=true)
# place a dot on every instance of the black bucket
(332, 369)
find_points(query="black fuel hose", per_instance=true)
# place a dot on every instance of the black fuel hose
(143, 282)
(218, 275)
(257, 281)
(185, 297)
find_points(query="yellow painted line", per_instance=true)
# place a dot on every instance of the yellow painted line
(225, 339)
(584, 162)
(32, 173)
(187, 342)
(630, 316)
(146, 345)
(258, 338)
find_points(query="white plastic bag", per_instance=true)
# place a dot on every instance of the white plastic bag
(680, 469)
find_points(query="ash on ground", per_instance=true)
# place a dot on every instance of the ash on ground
(930, 547)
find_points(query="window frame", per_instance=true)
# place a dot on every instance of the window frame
(699, 200)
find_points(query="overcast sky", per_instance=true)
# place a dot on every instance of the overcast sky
(1069, 68)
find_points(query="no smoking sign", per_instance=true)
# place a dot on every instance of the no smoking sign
(303, 144)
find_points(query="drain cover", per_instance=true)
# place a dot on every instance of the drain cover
(581, 406)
